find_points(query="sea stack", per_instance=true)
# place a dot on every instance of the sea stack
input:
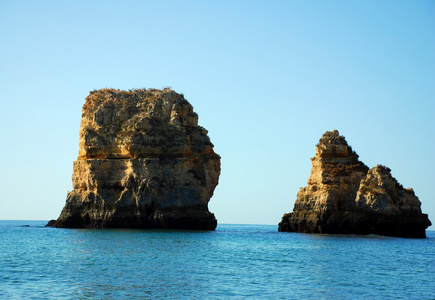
(143, 163)
(343, 196)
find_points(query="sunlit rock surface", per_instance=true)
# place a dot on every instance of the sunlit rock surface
(344, 196)
(143, 163)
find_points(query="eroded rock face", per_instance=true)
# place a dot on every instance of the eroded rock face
(344, 196)
(143, 163)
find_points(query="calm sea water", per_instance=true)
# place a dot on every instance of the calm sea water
(233, 262)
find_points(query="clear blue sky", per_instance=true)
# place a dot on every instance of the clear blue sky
(267, 79)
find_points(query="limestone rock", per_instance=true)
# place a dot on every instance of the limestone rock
(344, 196)
(143, 163)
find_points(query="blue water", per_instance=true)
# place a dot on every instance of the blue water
(233, 262)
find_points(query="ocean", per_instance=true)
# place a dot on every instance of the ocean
(233, 262)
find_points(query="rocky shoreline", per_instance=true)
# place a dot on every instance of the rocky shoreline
(144, 162)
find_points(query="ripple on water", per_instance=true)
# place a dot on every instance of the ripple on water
(234, 261)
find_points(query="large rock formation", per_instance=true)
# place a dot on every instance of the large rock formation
(143, 163)
(344, 196)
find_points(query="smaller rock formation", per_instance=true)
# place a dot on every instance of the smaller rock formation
(143, 163)
(344, 196)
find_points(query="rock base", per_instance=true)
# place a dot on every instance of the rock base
(354, 223)
(143, 220)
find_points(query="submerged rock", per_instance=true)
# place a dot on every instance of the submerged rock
(143, 163)
(344, 196)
